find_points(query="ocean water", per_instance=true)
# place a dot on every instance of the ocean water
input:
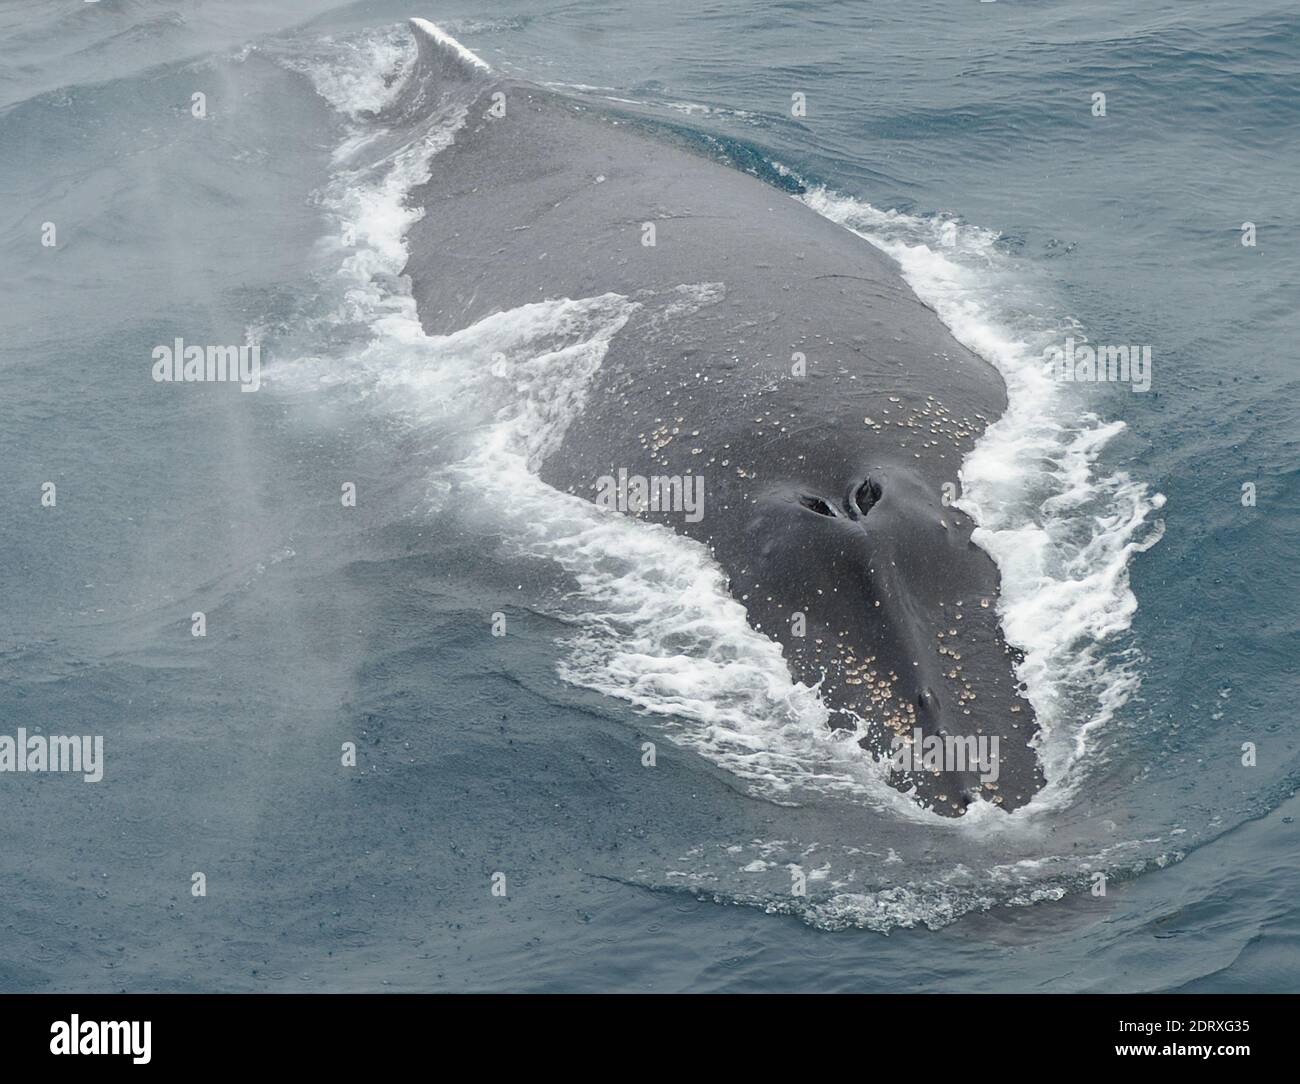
(1156, 608)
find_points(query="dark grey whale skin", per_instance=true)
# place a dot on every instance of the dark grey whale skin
(900, 605)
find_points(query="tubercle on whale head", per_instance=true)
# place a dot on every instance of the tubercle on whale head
(901, 631)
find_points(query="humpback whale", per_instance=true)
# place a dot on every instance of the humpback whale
(779, 358)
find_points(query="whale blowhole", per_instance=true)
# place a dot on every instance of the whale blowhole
(821, 507)
(866, 496)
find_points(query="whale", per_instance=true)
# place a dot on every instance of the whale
(777, 368)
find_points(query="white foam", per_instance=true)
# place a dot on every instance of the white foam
(359, 75)
(366, 198)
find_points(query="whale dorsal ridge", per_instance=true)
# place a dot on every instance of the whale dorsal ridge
(442, 54)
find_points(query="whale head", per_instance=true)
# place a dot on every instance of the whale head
(898, 626)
